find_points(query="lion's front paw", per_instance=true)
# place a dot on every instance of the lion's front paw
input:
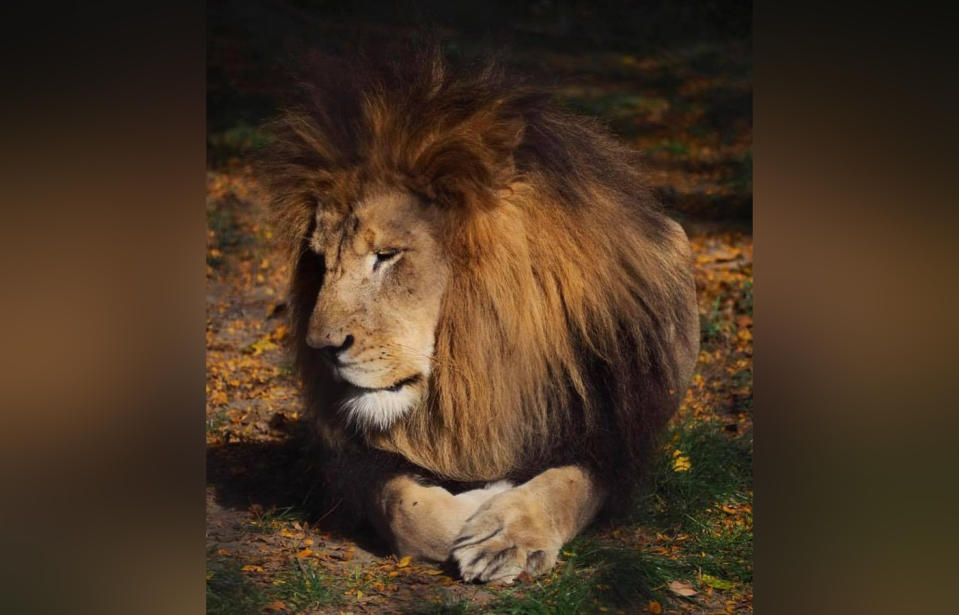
(508, 535)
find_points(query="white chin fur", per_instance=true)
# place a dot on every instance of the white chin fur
(379, 409)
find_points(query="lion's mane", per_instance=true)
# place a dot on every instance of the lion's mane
(570, 290)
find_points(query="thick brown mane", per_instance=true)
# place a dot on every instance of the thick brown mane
(568, 307)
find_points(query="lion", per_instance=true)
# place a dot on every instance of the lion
(493, 318)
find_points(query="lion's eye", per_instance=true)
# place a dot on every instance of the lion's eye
(385, 256)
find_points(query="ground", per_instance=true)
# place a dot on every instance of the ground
(276, 544)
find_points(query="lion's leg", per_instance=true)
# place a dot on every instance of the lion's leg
(523, 529)
(422, 521)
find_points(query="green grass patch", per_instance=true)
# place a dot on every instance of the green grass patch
(594, 574)
(446, 606)
(303, 586)
(215, 421)
(229, 591)
(744, 304)
(720, 470)
(616, 104)
(229, 233)
(272, 520)
(237, 141)
(711, 324)
(597, 574)
(724, 553)
(741, 177)
(671, 147)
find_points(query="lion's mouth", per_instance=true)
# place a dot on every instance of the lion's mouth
(396, 386)
(380, 407)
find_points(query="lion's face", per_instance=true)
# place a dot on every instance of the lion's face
(377, 310)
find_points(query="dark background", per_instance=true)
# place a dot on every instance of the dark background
(674, 79)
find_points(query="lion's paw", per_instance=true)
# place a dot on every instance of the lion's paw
(508, 535)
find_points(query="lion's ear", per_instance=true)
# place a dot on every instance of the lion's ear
(471, 164)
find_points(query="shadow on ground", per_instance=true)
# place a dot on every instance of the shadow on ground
(276, 479)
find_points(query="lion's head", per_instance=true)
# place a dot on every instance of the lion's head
(376, 311)
(482, 283)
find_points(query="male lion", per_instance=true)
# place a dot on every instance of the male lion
(493, 318)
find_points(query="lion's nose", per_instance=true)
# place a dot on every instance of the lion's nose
(334, 350)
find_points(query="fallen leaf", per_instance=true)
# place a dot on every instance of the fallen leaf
(276, 606)
(654, 607)
(252, 568)
(682, 588)
(717, 583)
(681, 462)
(404, 562)
(305, 553)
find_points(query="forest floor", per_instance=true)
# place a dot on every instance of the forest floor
(686, 546)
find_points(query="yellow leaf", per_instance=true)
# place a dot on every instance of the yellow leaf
(403, 563)
(681, 463)
(716, 583)
(252, 568)
(304, 553)
(654, 607)
(222, 552)
(359, 594)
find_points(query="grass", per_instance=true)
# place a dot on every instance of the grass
(594, 573)
(237, 141)
(720, 471)
(229, 235)
(229, 591)
(745, 303)
(711, 325)
(724, 553)
(270, 520)
(214, 421)
(671, 147)
(447, 606)
(304, 586)
(597, 574)
(615, 104)
(702, 513)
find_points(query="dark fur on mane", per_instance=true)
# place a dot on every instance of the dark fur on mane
(545, 214)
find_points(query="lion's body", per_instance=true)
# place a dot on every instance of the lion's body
(550, 298)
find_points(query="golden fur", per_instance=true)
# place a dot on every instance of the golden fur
(568, 328)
